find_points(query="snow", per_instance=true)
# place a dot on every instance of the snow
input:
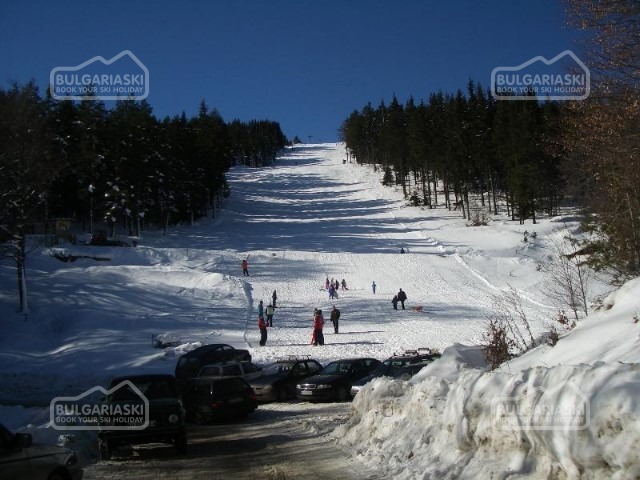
(311, 217)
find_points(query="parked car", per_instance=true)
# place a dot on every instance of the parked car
(208, 400)
(166, 414)
(334, 381)
(278, 380)
(22, 459)
(246, 370)
(402, 366)
(191, 362)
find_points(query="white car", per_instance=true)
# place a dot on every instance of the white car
(22, 459)
(246, 370)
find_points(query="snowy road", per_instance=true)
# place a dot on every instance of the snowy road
(278, 442)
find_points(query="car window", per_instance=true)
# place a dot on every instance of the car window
(333, 368)
(209, 372)
(314, 366)
(249, 367)
(232, 386)
(231, 370)
(299, 369)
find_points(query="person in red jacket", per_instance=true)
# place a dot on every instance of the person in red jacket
(262, 325)
(245, 268)
(318, 323)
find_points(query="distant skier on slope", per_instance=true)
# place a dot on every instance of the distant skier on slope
(245, 268)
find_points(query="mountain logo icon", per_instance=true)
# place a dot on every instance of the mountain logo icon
(564, 77)
(123, 77)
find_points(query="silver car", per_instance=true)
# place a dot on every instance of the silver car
(22, 459)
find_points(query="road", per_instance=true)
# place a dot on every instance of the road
(283, 441)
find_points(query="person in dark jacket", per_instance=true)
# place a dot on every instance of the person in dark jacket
(335, 317)
(402, 297)
(394, 302)
(262, 325)
(274, 297)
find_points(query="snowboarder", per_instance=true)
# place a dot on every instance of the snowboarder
(335, 317)
(274, 297)
(402, 297)
(260, 309)
(373, 287)
(245, 268)
(270, 311)
(318, 323)
(263, 330)
(394, 301)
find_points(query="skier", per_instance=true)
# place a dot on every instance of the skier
(402, 297)
(245, 268)
(344, 284)
(326, 284)
(274, 297)
(335, 317)
(263, 331)
(270, 311)
(332, 291)
(394, 301)
(373, 287)
(260, 309)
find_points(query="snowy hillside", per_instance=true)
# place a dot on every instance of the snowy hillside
(307, 218)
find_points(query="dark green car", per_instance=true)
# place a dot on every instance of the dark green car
(163, 416)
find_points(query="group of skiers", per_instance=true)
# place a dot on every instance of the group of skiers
(270, 312)
(332, 286)
(317, 337)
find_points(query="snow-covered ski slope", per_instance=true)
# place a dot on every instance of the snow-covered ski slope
(308, 217)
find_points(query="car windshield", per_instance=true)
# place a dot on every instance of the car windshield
(336, 368)
(150, 388)
(385, 369)
(278, 368)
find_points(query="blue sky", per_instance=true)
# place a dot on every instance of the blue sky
(305, 64)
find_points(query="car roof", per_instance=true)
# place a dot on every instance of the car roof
(224, 364)
(354, 359)
(205, 348)
(143, 377)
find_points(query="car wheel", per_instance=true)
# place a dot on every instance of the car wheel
(342, 394)
(105, 450)
(181, 444)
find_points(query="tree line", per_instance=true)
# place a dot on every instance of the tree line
(121, 168)
(531, 155)
(464, 145)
